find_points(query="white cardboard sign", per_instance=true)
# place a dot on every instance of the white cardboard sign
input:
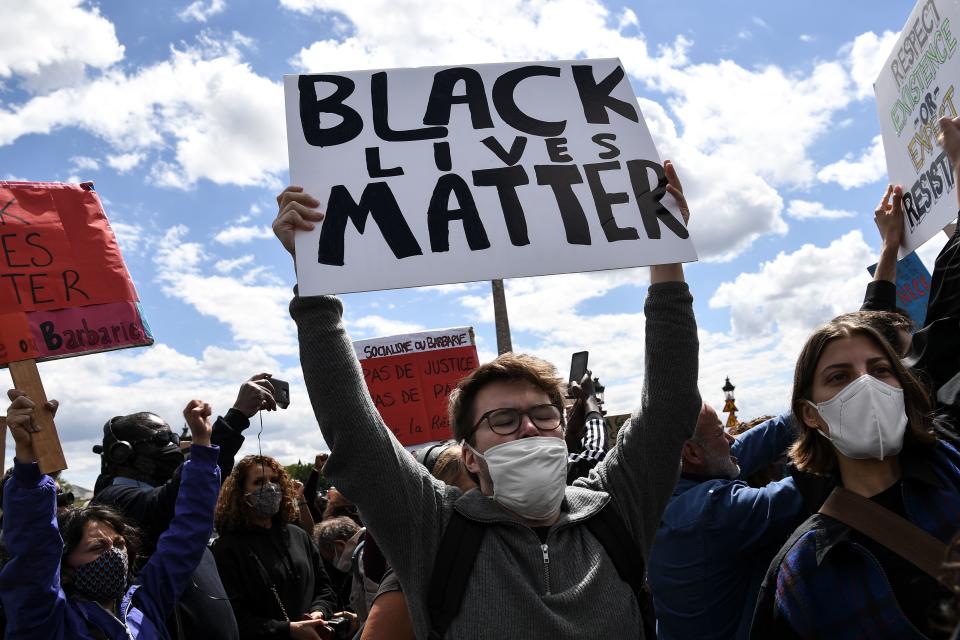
(438, 175)
(917, 86)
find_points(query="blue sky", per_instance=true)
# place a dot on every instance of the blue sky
(175, 110)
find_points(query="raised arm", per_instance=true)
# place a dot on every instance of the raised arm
(256, 394)
(642, 469)
(881, 294)
(400, 502)
(763, 444)
(181, 546)
(34, 602)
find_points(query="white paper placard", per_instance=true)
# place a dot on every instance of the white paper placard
(438, 175)
(916, 87)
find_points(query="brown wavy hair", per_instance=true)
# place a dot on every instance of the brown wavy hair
(233, 513)
(507, 367)
(813, 453)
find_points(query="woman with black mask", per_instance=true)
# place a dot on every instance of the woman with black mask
(271, 569)
(75, 579)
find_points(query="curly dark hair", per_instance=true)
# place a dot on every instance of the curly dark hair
(233, 513)
(73, 523)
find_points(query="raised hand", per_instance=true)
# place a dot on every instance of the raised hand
(889, 217)
(23, 424)
(255, 394)
(197, 414)
(297, 212)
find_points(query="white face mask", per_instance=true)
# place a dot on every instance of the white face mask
(867, 419)
(529, 475)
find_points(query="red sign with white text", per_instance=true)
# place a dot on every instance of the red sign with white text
(64, 288)
(410, 377)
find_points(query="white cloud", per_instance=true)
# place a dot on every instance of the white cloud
(866, 55)
(130, 236)
(796, 291)
(50, 43)
(376, 326)
(253, 307)
(84, 163)
(736, 115)
(242, 235)
(806, 210)
(125, 162)
(205, 103)
(806, 37)
(226, 266)
(731, 207)
(391, 33)
(200, 11)
(851, 172)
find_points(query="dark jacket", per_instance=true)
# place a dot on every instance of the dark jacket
(203, 610)
(36, 604)
(823, 569)
(292, 565)
(717, 537)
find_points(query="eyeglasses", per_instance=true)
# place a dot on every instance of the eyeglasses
(545, 417)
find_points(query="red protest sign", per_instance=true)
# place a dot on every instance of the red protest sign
(410, 377)
(64, 288)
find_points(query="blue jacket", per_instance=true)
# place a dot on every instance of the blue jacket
(717, 537)
(36, 604)
(822, 569)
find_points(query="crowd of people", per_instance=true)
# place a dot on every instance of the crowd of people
(839, 518)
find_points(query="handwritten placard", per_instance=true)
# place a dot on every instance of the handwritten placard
(913, 287)
(917, 86)
(453, 174)
(411, 376)
(64, 288)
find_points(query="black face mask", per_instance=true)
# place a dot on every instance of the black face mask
(166, 462)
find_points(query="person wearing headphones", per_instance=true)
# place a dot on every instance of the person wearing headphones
(140, 477)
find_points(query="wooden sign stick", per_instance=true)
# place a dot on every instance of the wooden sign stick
(3, 439)
(46, 443)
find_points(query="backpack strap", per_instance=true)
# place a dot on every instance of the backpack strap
(608, 528)
(451, 570)
(894, 532)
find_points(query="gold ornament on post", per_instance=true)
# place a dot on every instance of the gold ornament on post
(728, 405)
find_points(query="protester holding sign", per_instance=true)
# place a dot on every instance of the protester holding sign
(509, 415)
(82, 586)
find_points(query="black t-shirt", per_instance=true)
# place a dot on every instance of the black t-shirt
(917, 593)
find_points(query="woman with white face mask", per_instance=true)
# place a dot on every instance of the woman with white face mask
(270, 568)
(865, 419)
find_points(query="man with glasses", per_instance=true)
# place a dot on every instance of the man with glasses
(539, 571)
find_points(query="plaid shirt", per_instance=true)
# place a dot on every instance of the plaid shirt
(828, 586)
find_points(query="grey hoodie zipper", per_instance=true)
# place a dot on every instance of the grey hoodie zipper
(546, 566)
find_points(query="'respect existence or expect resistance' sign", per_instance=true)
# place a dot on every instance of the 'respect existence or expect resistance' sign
(917, 86)
(410, 377)
(64, 289)
(453, 174)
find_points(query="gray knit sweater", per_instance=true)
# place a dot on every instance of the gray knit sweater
(512, 592)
